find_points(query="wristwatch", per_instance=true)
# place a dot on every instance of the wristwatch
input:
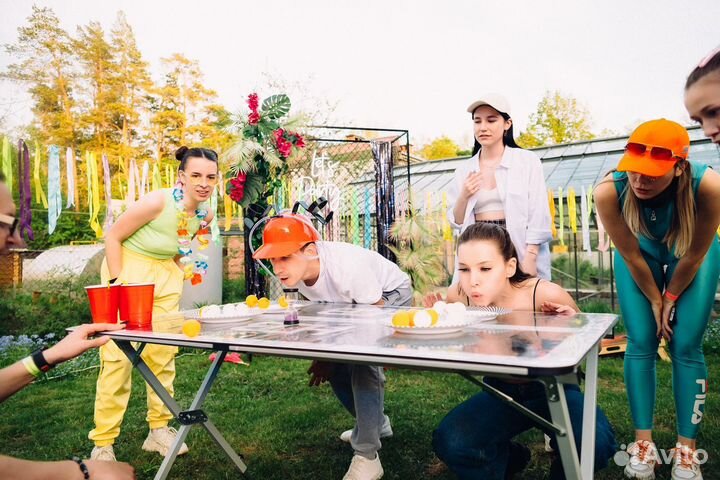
(40, 362)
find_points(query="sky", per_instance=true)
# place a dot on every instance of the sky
(415, 64)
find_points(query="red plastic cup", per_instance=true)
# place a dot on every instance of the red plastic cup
(136, 305)
(104, 302)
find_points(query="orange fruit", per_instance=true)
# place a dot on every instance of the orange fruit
(282, 301)
(401, 319)
(251, 301)
(191, 328)
(263, 303)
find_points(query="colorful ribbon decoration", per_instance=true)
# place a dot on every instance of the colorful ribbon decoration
(108, 192)
(214, 228)
(54, 194)
(572, 209)
(93, 193)
(144, 180)
(156, 179)
(132, 177)
(553, 212)
(39, 192)
(561, 211)
(354, 220)
(446, 230)
(228, 207)
(7, 164)
(584, 220)
(25, 225)
(70, 172)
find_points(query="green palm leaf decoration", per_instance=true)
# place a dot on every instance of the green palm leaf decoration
(275, 106)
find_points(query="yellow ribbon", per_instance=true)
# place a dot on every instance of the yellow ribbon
(572, 209)
(156, 179)
(561, 210)
(94, 195)
(553, 212)
(228, 207)
(40, 196)
(447, 232)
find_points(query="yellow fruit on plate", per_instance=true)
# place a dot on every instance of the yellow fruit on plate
(251, 301)
(191, 328)
(282, 301)
(263, 303)
(434, 315)
(412, 317)
(401, 319)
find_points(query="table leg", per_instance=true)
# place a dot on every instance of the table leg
(557, 405)
(187, 418)
(587, 460)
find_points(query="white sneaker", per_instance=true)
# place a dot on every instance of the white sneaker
(106, 454)
(363, 469)
(643, 460)
(685, 465)
(385, 431)
(160, 440)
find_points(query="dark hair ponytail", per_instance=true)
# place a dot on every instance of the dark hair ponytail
(183, 153)
(500, 236)
(710, 65)
(508, 137)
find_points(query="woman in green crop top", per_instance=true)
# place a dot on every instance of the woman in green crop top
(150, 243)
(662, 213)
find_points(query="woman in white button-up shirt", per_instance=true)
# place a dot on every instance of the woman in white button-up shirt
(502, 183)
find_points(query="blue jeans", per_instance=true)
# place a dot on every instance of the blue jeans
(474, 438)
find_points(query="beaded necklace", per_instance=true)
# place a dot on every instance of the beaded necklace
(194, 268)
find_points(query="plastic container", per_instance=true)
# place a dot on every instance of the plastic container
(104, 302)
(136, 305)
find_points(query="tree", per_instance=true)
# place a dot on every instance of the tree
(46, 65)
(442, 147)
(558, 119)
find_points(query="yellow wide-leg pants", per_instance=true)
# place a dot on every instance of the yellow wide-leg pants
(114, 380)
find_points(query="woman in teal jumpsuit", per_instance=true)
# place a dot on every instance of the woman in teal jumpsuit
(662, 212)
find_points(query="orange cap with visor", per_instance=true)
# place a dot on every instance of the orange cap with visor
(654, 148)
(285, 235)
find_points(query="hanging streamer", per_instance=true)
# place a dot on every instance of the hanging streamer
(70, 172)
(54, 195)
(561, 211)
(132, 174)
(7, 164)
(228, 209)
(39, 192)
(446, 230)
(156, 179)
(144, 181)
(94, 197)
(366, 220)
(214, 228)
(603, 243)
(108, 192)
(585, 220)
(354, 220)
(572, 209)
(168, 182)
(553, 212)
(25, 224)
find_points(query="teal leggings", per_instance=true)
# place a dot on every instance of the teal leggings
(691, 317)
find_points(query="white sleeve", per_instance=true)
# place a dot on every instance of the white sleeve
(453, 193)
(538, 230)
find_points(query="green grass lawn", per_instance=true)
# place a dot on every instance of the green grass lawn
(287, 430)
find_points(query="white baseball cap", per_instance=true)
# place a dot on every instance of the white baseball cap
(494, 100)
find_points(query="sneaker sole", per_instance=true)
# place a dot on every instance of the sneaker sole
(152, 446)
(629, 473)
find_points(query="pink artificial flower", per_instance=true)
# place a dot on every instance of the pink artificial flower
(237, 192)
(253, 102)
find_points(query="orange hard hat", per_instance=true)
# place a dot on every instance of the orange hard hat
(284, 235)
(669, 139)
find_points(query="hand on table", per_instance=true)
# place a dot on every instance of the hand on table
(430, 298)
(79, 341)
(557, 308)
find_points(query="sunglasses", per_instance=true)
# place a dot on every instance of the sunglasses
(656, 153)
(195, 181)
(10, 222)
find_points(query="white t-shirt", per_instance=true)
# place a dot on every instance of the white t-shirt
(349, 273)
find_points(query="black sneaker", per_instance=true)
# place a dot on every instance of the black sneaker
(518, 458)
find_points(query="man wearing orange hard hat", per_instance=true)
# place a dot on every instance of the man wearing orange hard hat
(341, 273)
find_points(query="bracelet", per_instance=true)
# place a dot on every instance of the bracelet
(671, 296)
(83, 467)
(30, 366)
(39, 360)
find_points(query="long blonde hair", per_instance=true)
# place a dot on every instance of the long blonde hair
(680, 233)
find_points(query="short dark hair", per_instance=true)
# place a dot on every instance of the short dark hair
(183, 153)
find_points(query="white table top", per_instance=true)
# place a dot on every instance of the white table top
(516, 343)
